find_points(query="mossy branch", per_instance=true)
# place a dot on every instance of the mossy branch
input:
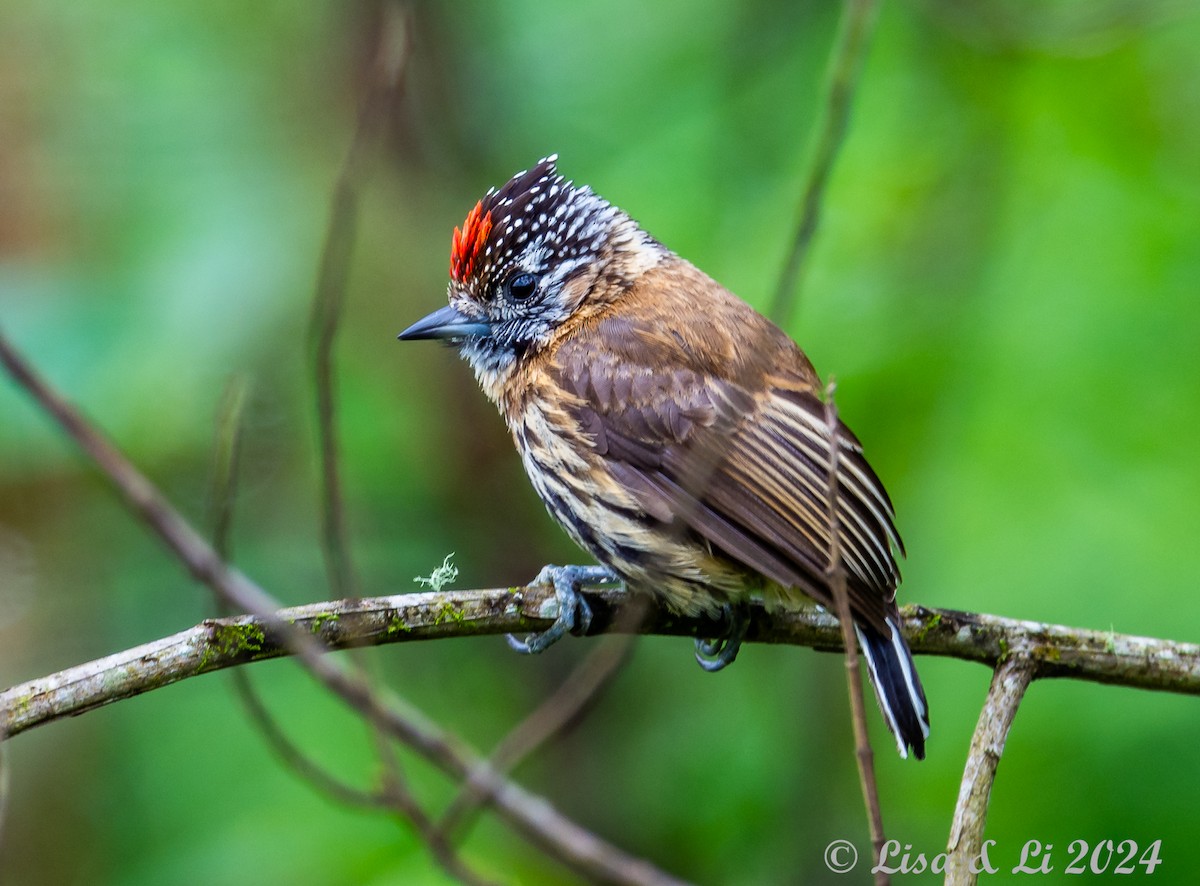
(1052, 650)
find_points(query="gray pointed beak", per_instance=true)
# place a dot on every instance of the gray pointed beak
(446, 323)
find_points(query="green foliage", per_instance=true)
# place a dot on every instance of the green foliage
(1004, 284)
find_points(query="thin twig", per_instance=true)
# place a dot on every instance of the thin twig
(835, 573)
(5, 786)
(387, 81)
(396, 794)
(858, 20)
(1009, 682)
(222, 497)
(142, 497)
(564, 705)
(227, 448)
(386, 84)
(532, 816)
(288, 754)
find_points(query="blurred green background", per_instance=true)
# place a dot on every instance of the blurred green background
(1006, 285)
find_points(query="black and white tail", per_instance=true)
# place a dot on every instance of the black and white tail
(897, 686)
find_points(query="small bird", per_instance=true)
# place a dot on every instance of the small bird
(675, 433)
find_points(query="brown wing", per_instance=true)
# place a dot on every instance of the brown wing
(733, 447)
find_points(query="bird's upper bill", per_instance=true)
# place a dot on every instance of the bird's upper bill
(446, 323)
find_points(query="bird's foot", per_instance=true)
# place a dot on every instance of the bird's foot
(714, 654)
(574, 615)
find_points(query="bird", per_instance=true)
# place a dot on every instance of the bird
(676, 434)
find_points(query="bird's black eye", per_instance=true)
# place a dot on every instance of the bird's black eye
(521, 286)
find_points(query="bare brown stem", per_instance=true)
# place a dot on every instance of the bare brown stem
(836, 575)
(386, 83)
(1009, 682)
(226, 455)
(582, 686)
(4, 786)
(858, 20)
(141, 496)
(222, 497)
(396, 795)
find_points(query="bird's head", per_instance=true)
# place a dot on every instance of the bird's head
(529, 257)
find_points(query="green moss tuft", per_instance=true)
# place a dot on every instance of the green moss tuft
(929, 626)
(397, 625)
(322, 619)
(232, 641)
(449, 612)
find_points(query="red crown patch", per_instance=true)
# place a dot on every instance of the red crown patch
(467, 244)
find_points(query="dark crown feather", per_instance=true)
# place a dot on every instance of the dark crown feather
(532, 210)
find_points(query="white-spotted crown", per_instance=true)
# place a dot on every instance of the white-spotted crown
(537, 223)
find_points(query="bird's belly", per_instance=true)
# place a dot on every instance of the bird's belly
(662, 559)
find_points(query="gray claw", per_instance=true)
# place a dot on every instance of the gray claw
(574, 613)
(718, 653)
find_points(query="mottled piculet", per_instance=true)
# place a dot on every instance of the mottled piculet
(675, 433)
